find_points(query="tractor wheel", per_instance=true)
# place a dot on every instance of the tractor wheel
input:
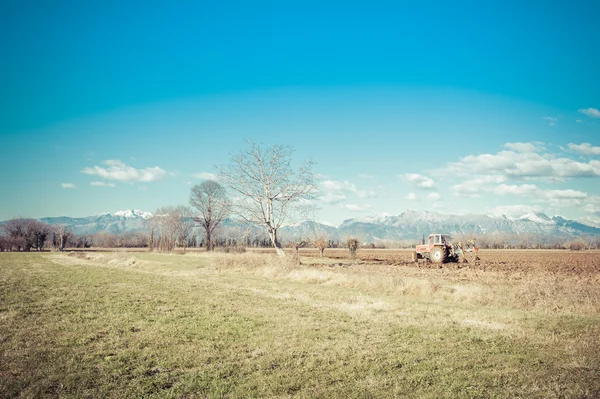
(415, 257)
(437, 255)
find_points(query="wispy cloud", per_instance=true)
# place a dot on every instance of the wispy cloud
(584, 148)
(591, 112)
(68, 186)
(593, 205)
(551, 120)
(337, 191)
(101, 184)
(418, 180)
(357, 208)
(514, 189)
(411, 196)
(117, 170)
(205, 176)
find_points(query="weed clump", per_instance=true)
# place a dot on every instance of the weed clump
(352, 243)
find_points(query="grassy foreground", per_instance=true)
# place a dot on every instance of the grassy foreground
(157, 325)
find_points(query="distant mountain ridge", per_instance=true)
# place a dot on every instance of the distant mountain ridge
(409, 225)
(117, 223)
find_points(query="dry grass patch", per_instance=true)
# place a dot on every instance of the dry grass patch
(240, 325)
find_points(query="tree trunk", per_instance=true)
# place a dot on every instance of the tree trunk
(209, 244)
(275, 242)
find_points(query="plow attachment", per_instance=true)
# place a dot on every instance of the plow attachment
(468, 251)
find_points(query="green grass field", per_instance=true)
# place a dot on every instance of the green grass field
(249, 325)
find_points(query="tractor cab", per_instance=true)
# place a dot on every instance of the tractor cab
(439, 239)
(435, 240)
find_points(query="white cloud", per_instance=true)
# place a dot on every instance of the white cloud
(205, 176)
(118, 170)
(514, 210)
(419, 180)
(357, 208)
(337, 191)
(366, 193)
(592, 208)
(523, 147)
(516, 189)
(521, 165)
(68, 185)
(411, 197)
(564, 194)
(584, 148)
(332, 197)
(333, 185)
(101, 184)
(592, 112)
(551, 120)
(434, 196)
(471, 188)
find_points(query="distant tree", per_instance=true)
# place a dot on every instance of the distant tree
(170, 226)
(321, 242)
(25, 234)
(4, 244)
(37, 233)
(186, 227)
(210, 199)
(269, 190)
(352, 243)
(577, 245)
(62, 233)
(16, 231)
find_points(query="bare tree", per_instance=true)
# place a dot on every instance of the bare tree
(270, 191)
(25, 234)
(170, 226)
(185, 229)
(210, 199)
(321, 242)
(167, 222)
(61, 234)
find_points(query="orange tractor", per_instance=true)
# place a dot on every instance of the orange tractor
(440, 249)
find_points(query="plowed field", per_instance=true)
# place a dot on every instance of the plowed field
(584, 263)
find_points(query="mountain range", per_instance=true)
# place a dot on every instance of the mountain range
(409, 225)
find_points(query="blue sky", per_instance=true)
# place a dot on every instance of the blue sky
(452, 107)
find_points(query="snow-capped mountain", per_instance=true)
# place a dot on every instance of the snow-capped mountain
(412, 225)
(133, 213)
(409, 225)
(118, 223)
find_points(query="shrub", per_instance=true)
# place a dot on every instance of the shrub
(321, 243)
(577, 245)
(352, 243)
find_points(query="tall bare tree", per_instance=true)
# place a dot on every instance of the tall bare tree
(61, 234)
(185, 229)
(269, 190)
(211, 201)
